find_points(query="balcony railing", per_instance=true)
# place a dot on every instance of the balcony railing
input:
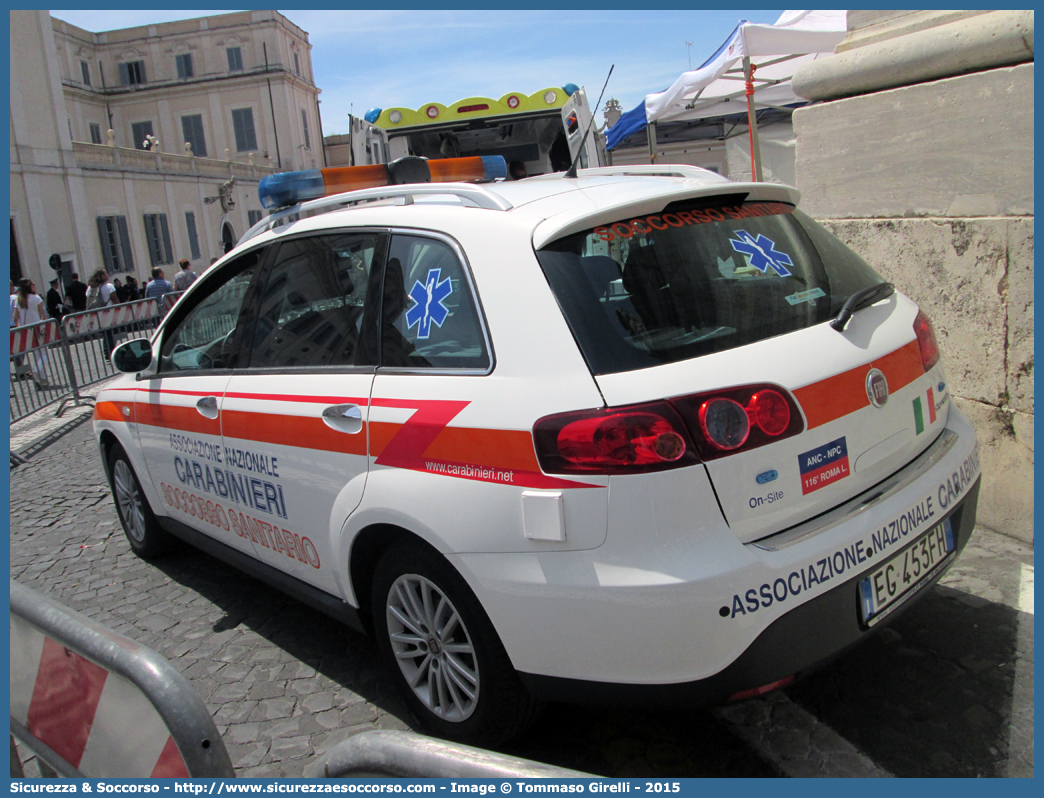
(103, 156)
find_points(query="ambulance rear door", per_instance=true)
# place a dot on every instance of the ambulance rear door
(576, 118)
(369, 143)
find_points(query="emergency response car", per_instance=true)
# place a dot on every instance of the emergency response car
(642, 434)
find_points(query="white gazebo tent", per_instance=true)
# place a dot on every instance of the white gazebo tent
(756, 63)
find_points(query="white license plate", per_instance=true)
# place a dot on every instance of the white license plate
(885, 589)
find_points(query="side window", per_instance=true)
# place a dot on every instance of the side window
(311, 309)
(428, 315)
(203, 337)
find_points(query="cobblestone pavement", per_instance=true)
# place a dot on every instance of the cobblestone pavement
(946, 690)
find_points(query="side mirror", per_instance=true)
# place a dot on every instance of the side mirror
(131, 357)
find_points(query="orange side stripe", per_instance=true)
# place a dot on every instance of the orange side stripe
(496, 448)
(299, 431)
(182, 419)
(844, 393)
(381, 432)
(493, 448)
(902, 366)
(110, 411)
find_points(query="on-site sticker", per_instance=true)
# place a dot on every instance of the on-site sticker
(824, 465)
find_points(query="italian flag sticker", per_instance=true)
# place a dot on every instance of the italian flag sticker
(919, 410)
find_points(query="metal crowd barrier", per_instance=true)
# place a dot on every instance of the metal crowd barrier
(408, 755)
(90, 703)
(51, 362)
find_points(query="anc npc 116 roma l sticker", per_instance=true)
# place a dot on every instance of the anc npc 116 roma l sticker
(824, 465)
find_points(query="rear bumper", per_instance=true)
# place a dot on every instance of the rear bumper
(795, 644)
(673, 604)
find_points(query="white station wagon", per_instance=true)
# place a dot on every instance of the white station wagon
(641, 434)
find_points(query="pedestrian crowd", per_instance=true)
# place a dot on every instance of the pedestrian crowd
(27, 307)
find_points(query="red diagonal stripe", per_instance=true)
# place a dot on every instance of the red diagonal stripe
(65, 698)
(170, 765)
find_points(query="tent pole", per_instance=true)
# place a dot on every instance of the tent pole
(752, 120)
(651, 130)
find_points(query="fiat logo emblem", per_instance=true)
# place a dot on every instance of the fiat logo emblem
(877, 388)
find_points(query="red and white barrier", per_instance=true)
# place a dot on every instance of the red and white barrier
(33, 336)
(112, 316)
(98, 721)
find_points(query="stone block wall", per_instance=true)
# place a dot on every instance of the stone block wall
(919, 155)
(974, 279)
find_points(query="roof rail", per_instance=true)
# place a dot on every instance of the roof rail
(644, 170)
(470, 194)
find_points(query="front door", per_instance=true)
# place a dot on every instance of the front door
(178, 410)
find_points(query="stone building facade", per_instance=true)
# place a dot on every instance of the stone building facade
(918, 153)
(135, 148)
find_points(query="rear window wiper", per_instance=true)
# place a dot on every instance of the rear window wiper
(859, 300)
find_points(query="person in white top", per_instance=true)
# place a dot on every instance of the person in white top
(20, 369)
(99, 290)
(100, 294)
(26, 311)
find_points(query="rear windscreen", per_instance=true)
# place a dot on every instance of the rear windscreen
(698, 278)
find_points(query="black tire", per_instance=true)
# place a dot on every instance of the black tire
(499, 706)
(143, 531)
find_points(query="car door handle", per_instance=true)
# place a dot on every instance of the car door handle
(344, 418)
(208, 406)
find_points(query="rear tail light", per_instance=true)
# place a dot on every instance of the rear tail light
(624, 440)
(739, 419)
(926, 340)
(724, 423)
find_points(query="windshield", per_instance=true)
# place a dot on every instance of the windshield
(698, 278)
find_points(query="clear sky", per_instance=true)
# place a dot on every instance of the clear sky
(367, 59)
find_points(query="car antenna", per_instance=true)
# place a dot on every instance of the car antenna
(576, 160)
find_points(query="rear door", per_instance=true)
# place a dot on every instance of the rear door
(294, 423)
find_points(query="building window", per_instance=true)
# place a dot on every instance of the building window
(243, 125)
(95, 133)
(192, 127)
(139, 132)
(132, 73)
(184, 64)
(115, 244)
(190, 225)
(158, 237)
(297, 64)
(304, 126)
(235, 59)
(253, 217)
(85, 73)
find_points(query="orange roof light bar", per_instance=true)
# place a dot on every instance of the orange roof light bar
(291, 188)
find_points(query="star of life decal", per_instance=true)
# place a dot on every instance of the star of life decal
(429, 307)
(761, 253)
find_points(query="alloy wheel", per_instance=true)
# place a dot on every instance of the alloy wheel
(128, 499)
(432, 647)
